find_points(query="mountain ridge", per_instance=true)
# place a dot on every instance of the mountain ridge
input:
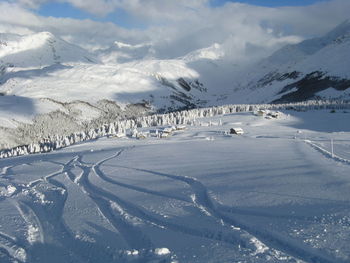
(42, 75)
(293, 67)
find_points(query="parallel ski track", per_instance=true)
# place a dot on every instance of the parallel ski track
(51, 228)
(104, 201)
(123, 214)
(134, 211)
(205, 204)
(12, 248)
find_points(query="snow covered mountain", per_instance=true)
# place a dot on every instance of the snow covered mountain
(42, 75)
(45, 80)
(314, 68)
(125, 74)
(39, 50)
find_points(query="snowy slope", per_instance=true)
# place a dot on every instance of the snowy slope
(49, 74)
(29, 63)
(321, 62)
(150, 80)
(125, 74)
(39, 50)
(298, 72)
(265, 196)
(41, 73)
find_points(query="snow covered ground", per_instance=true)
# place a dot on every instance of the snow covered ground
(198, 196)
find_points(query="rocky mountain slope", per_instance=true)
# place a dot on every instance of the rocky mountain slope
(315, 68)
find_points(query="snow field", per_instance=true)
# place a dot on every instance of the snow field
(175, 119)
(265, 196)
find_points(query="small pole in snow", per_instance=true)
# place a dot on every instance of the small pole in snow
(332, 148)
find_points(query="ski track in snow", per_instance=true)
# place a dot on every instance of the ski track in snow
(41, 202)
(105, 202)
(44, 218)
(130, 210)
(11, 247)
(44, 225)
(205, 204)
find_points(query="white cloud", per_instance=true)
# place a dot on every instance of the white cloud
(163, 10)
(148, 9)
(181, 26)
(97, 7)
(87, 33)
(29, 3)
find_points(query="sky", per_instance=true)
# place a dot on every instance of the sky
(269, 3)
(123, 19)
(244, 28)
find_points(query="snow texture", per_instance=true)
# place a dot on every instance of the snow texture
(199, 195)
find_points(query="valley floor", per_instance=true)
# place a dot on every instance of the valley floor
(274, 194)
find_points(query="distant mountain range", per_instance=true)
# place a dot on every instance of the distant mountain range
(317, 68)
(43, 74)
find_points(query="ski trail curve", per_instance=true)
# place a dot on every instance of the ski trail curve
(287, 245)
(64, 168)
(134, 211)
(11, 247)
(97, 170)
(108, 206)
(41, 206)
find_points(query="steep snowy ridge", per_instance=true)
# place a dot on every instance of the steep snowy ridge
(40, 50)
(299, 72)
(292, 54)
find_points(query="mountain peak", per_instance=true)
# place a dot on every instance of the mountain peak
(39, 50)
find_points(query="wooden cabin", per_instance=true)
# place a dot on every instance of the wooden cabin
(164, 135)
(141, 135)
(168, 130)
(260, 113)
(180, 127)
